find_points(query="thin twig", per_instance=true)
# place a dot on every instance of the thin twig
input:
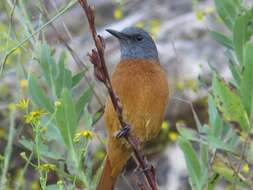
(101, 73)
(53, 3)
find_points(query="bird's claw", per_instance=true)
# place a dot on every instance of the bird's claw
(139, 170)
(123, 132)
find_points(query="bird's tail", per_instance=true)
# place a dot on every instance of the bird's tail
(111, 172)
(106, 181)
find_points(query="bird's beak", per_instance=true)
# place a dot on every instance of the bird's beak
(117, 34)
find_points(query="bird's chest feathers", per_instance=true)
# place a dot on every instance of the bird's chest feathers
(137, 74)
(142, 89)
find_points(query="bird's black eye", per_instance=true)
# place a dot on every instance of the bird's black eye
(139, 38)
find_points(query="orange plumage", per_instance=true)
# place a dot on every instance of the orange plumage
(142, 87)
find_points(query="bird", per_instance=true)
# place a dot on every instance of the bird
(142, 87)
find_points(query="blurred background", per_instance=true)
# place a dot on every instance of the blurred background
(186, 50)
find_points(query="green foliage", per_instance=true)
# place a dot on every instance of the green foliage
(241, 34)
(221, 38)
(246, 88)
(228, 10)
(63, 113)
(56, 75)
(56, 118)
(66, 118)
(196, 173)
(230, 108)
(38, 95)
(229, 104)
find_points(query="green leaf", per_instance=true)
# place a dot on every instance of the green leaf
(46, 62)
(88, 119)
(38, 95)
(192, 163)
(210, 140)
(240, 35)
(77, 78)
(214, 118)
(217, 143)
(83, 100)
(235, 72)
(52, 132)
(43, 149)
(56, 75)
(227, 10)
(188, 134)
(62, 79)
(66, 118)
(249, 152)
(222, 39)
(246, 87)
(229, 104)
(234, 67)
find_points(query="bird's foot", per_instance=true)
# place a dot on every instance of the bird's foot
(140, 170)
(123, 132)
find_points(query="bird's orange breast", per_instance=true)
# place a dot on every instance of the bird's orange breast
(143, 90)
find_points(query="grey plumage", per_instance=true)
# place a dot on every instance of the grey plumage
(135, 43)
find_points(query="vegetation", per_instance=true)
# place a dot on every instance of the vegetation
(50, 108)
(225, 143)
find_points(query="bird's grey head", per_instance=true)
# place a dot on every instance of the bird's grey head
(135, 43)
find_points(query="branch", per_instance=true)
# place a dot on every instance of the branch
(101, 73)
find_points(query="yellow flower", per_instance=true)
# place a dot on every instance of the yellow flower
(155, 23)
(245, 168)
(118, 13)
(165, 125)
(140, 24)
(85, 133)
(57, 103)
(180, 85)
(23, 104)
(200, 15)
(23, 83)
(172, 136)
(155, 26)
(154, 31)
(34, 116)
(192, 84)
(47, 167)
